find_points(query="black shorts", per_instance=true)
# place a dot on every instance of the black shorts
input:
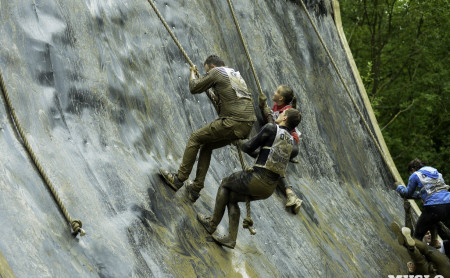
(259, 184)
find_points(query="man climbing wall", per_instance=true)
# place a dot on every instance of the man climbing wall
(236, 118)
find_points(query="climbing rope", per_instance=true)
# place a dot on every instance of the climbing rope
(241, 158)
(171, 33)
(209, 93)
(347, 89)
(248, 222)
(75, 224)
(238, 27)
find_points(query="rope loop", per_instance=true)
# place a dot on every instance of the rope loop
(76, 227)
(247, 224)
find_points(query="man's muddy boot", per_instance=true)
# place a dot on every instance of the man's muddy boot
(403, 235)
(297, 205)
(207, 223)
(398, 232)
(171, 179)
(229, 240)
(192, 193)
(290, 199)
(406, 232)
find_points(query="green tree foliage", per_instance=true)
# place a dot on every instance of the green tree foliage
(401, 48)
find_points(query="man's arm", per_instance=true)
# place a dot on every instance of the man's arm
(200, 85)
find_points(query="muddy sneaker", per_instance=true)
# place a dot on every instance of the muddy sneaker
(225, 241)
(398, 232)
(171, 179)
(406, 232)
(207, 223)
(296, 207)
(192, 194)
(290, 199)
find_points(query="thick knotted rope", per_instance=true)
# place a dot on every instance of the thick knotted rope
(74, 223)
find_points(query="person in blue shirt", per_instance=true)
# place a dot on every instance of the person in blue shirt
(428, 184)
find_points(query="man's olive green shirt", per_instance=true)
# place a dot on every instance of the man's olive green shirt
(232, 104)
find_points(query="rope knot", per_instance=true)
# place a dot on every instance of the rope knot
(247, 224)
(76, 227)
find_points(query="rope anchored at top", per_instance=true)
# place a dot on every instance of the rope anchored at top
(238, 27)
(75, 224)
(210, 94)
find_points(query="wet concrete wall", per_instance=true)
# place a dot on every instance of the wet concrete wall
(101, 91)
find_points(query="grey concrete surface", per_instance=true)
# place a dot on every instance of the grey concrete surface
(102, 92)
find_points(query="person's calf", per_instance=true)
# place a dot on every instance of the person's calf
(222, 198)
(233, 227)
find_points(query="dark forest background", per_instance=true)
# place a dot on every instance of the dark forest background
(401, 49)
